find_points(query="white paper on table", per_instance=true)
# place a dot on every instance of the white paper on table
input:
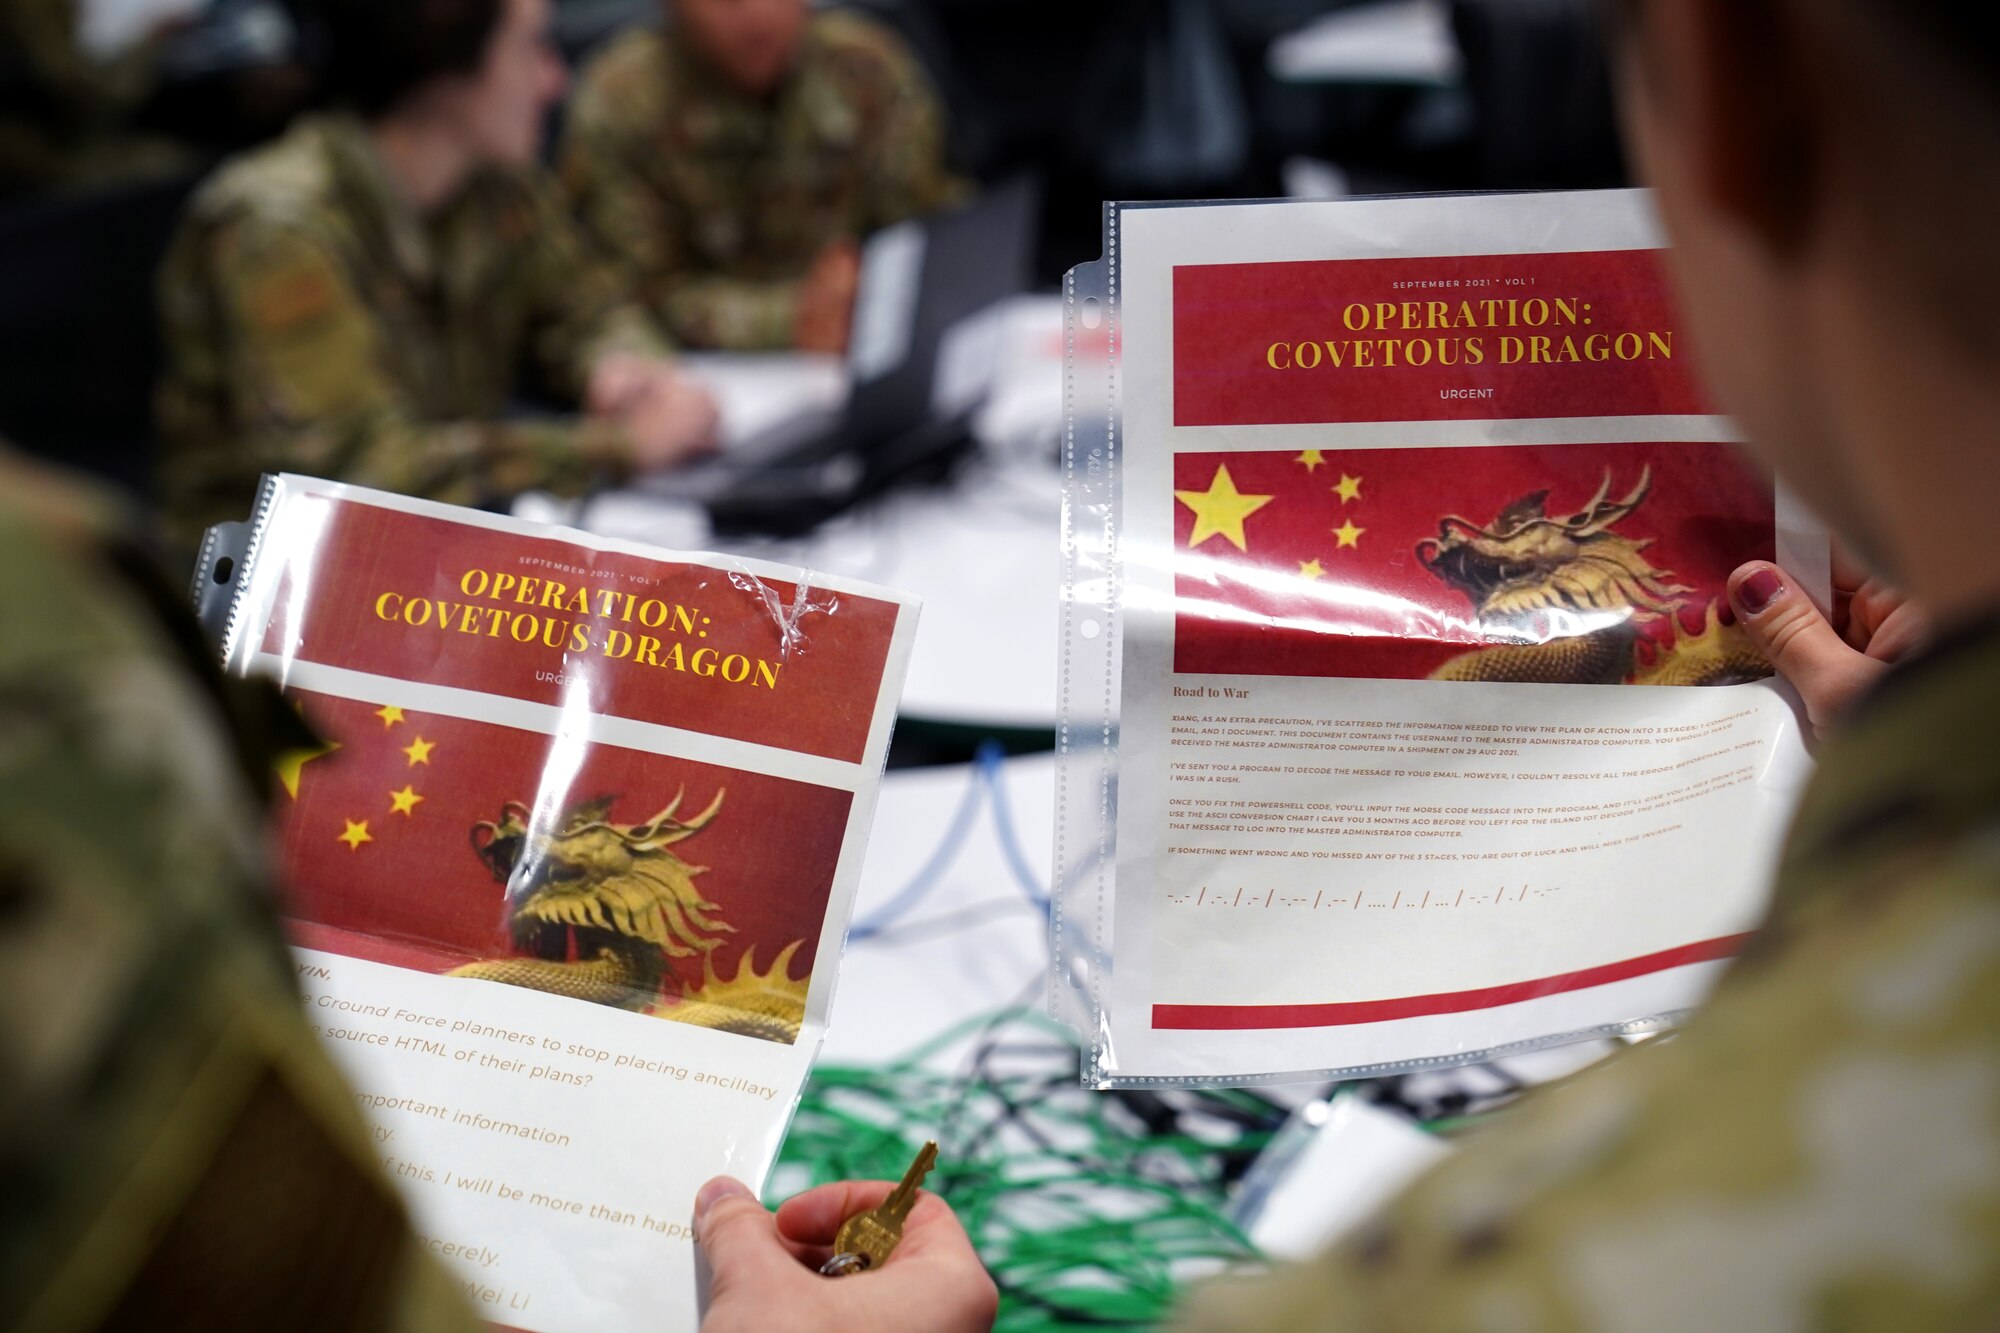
(1349, 1160)
(759, 396)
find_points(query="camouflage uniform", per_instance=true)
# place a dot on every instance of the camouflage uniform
(175, 1150)
(315, 323)
(719, 203)
(1820, 1149)
(63, 114)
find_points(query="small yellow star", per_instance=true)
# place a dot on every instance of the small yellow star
(356, 834)
(403, 802)
(1348, 489)
(292, 763)
(1220, 510)
(390, 715)
(1312, 458)
(1349, 534)
(1310, 570)
(419, 751)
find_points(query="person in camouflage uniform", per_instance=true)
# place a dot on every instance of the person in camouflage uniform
(175, 1149)
(64, 115)
(732, 162)
(357, 300)
(1819, 1150)
(1820, 1147)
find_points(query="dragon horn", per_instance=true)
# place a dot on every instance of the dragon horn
(663, 830)
(692, 826)
(701, 820)
(1603, 491)
(1639, 491)
(645, 831)
(1596, 516)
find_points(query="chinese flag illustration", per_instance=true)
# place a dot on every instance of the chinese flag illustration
(639, 880)
(1405, 563)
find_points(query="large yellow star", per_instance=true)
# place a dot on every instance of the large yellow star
(356, 834)
(1312, 458)
(403, 802)
(1348, 489)
(390, 715)
(419, 751)
(1220, 510)
(1349, 534)
(1310, 570)
(292, 762)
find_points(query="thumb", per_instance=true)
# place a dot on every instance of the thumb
(740, 1239)
(1789, 630)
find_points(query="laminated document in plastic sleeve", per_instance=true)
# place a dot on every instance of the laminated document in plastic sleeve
(1404, 717)
(568, 876)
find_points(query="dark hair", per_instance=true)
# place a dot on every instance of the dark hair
(1967, 30)
(377, 52)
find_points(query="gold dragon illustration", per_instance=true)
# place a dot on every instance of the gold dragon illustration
(596, 908)
(1567, 600)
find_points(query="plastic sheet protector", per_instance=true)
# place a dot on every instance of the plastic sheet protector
(568, 876)
(1405, 721)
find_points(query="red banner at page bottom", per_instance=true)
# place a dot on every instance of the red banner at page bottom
(1242, 1017)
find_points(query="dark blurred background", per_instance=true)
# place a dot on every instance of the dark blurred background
(1101, 99)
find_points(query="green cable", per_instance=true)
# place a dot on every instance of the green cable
(1084, 1218)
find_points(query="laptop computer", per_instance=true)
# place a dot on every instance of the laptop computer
(919, 362)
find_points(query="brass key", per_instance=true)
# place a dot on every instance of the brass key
(866, 1240)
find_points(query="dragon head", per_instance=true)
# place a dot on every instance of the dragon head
(1530, 561)
(619, 883)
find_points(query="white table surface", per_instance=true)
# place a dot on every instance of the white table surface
(895, 993)
(983, 553)
(756, 392)
(1396, 41)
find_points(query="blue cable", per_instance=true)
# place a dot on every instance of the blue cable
(927, 878)
(991, 760)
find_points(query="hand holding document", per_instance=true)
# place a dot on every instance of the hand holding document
(1413, 721)
(569, 869)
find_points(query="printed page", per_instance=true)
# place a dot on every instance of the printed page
(1436, 733)
(569, 875)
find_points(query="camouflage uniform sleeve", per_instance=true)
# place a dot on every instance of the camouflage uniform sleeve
(578, 304)
(175, 1149)
(306, 372)
(601, 157)
(1820, 1149)
(732, 314)
(907, 175)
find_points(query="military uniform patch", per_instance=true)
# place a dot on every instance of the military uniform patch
(289, 298)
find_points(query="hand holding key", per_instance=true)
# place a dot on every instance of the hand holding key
(866, 1239)
(765, 1266)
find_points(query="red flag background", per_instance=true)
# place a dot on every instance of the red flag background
(1356, 516)
(406, 887)
(1254, 343)
(822, 704)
